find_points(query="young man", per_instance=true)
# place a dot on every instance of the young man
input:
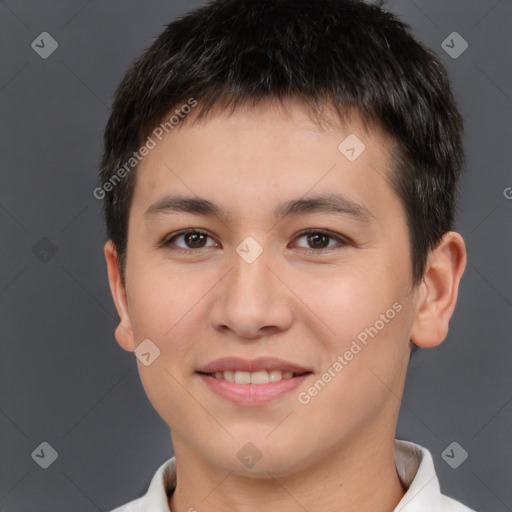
(280, 185)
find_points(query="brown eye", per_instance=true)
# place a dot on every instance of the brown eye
(192, 239)
(318, 241)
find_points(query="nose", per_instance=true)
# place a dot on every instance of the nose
(252, 301)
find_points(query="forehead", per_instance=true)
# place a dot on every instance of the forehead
(258, 158)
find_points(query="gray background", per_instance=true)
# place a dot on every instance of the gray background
(65, 381)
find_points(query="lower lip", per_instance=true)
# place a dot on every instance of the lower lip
(252, 394)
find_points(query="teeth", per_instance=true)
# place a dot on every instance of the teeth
(229, 376)
(242, 377)
(275, 375)
(259, 377)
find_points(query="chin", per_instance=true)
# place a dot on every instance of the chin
(260, 459)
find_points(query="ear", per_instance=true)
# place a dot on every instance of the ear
(124, 331)
(437, 294)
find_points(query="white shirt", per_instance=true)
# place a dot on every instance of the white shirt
(414, 466)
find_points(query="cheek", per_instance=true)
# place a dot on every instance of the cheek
(168, 307)
(367, 316)
(158, 300)
(348, 302)
(365, 369)
(164, 309)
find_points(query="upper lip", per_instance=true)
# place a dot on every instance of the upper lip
(252, 365)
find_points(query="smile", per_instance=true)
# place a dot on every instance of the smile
(258, 377)
(256, 388)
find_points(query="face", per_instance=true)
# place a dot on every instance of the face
(320, 289)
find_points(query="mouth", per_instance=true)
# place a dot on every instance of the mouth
(258, 377)
(252, 382)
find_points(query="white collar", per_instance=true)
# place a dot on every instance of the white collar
(414, 466)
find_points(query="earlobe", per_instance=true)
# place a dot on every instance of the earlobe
(124, 331)
(438, 291)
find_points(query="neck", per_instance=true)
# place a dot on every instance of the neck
(361, 477)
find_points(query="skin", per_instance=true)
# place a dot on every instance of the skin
(305, 308)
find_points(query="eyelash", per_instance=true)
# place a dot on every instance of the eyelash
(342, 242)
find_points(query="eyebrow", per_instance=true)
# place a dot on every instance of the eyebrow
(336, 204)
